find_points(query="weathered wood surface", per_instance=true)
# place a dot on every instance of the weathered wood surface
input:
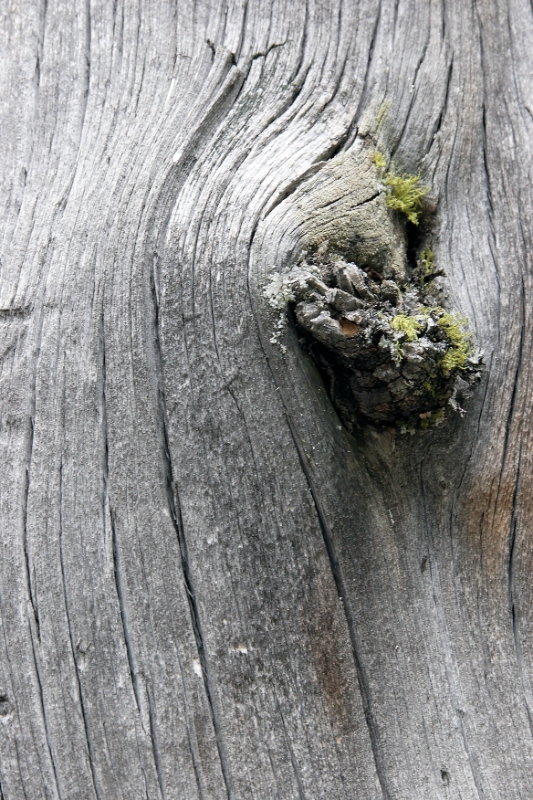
(207, 588)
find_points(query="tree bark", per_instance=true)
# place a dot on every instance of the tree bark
(208, 588)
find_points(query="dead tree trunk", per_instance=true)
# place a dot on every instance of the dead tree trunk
(209, 588)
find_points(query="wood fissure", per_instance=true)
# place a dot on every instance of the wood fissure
(174, 506)
(82, 708)
(43, 712)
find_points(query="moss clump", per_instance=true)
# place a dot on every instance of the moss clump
(455, 358)
(427, 259)
(402, 323)
(431, 419)
(406, 194)
(379, 159)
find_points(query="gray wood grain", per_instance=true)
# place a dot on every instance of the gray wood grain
(208, 588)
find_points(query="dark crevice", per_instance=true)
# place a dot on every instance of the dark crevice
(146, 793)
(339, 583)
(212, 47)
(90, 749)
(322, 159)
(155, 745)
(322, 206)
(335, 568)
(292, 187)
(294, 763)
(174, 508)
(510, 565)
(516, 380)
(28, 459)
(303, 43)
(107, 510)
(25, 538)
(43, 712)
(87, 60)
(443, 630)
(442, 114)
(233, 79)
(363, 96)
(412, 100)
(119, 586)
(485, 159)
(264, 53)
(193, 748)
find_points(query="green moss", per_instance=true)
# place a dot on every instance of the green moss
(379, 159)
(408, 325)
(453, 326)
(427, 258)
(432, 418)
(382, 113)
(405, 194)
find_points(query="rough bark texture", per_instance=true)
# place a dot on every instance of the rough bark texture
(208, 589)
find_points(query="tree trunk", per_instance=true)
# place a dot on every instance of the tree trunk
(208, 587)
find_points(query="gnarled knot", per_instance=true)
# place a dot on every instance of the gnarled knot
(387, 357)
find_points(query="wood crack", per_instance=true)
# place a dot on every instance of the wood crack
(155, 744)
(108, 511)
(294, 763)
(90, 749)
(174, 508)
(43, 713)
(339, 584)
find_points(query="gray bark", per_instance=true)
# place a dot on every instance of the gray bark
(208, 588)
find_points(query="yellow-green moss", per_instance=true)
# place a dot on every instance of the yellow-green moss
(405, 194)
(408, 325)
(382, 113)
(431, 418)
(427, 258)
(453, 326)
(379, 160)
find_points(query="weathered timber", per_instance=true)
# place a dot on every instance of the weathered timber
(209, 590)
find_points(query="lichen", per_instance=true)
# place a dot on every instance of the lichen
(386, 358)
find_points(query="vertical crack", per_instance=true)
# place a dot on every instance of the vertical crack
(107, 512)
(119, 586)
(90, 749)
(334, 565)
(297, 774)
(339, 584)
(27, 481)
(449, 665)
(155, 745)
(43, 712)
(25, 536)
(87, 69)
(174, 508)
